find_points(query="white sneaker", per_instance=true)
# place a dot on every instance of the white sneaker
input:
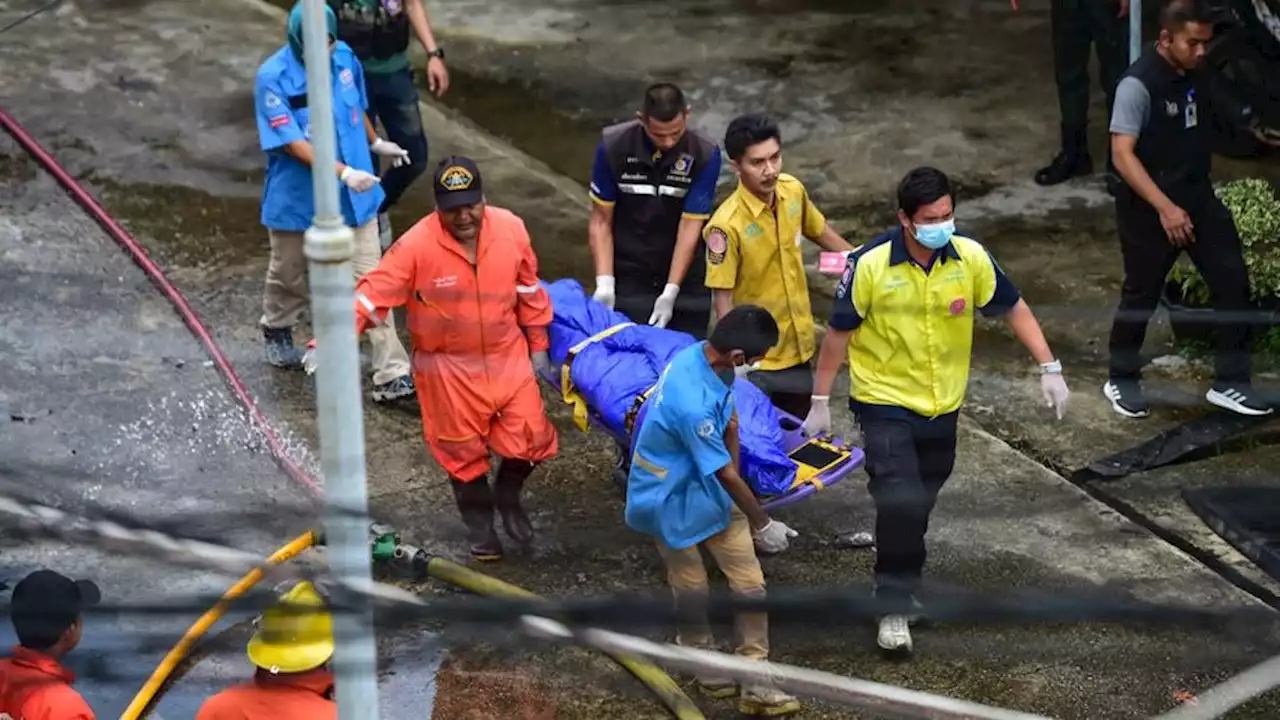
(895, 634)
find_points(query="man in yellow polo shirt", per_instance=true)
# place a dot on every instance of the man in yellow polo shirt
(904, 313)
(753, 255)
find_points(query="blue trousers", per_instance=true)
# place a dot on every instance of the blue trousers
(393, 99)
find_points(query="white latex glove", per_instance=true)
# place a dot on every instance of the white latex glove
(665, 306)
(1054, 388)
(309, 360)
(604, 291)
(818, 421)
(358, 180)
(773, 538)
(541, 361)
(399, 156)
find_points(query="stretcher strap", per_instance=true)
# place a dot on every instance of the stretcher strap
(567, 390)
(634, 412)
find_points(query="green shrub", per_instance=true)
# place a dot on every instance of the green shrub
(1256, 210)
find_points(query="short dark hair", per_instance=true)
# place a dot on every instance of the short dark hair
(663, 102)
(749, 328)
(920, 187)
(747, 130)
(1176, 13)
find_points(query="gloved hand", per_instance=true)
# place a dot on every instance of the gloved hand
(818, 421)
(665, 306)
(773, 538)
(1054, 388)
(541, 361)
(309, 360)
(358, 180)
(604, 291)
(399, 156)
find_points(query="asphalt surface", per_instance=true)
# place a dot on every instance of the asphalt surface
(180, 168)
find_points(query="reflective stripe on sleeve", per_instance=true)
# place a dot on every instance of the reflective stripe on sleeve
(527, 289)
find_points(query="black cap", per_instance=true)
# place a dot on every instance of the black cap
(46, 603)
(457, 183)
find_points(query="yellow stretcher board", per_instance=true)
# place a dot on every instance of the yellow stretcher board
(814, 458)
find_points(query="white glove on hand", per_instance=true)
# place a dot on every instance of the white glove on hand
(399, 156)
(358, 180)
(773, 538)
(665, 306)
(818, 421)
(1054, 388)
(604, 291)
(541, 361)
(309, 360)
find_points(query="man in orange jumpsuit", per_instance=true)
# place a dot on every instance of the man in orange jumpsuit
(47, 615)
(291, 649)
(478, 317)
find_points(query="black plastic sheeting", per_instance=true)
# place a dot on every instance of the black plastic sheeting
(1246, 517)
(1171, 445)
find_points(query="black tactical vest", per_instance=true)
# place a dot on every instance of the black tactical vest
(374, 33)
(651, 193)
(1174, 145)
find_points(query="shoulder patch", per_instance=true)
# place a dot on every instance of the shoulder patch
(846, 280)
(706, 429)
(717, 245)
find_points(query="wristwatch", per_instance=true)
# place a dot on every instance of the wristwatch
(1051, 367)
(438, 52)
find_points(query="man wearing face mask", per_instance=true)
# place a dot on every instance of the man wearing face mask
(478, 315)
(280, 96)
(903, 314)
(685, 490)
(754, 256)
(1159, 139)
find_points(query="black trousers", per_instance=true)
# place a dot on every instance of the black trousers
(1077, 24)
(635, 296)
(1148, 257)
(789, 389)
(908, 460)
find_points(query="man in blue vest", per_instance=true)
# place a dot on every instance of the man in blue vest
(280, 99)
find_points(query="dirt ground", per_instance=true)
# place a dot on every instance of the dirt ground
(148, 103)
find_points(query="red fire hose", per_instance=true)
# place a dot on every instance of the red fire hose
(198, 328)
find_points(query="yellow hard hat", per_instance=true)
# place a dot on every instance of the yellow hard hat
(291, 639)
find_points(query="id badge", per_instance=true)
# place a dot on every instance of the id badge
(1190, 118)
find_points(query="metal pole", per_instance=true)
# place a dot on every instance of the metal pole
(1135, 30)
(340, 416)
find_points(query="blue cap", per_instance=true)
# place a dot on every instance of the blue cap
(295, 26)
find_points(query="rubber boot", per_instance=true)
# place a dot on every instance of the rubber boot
(475, 504)
(279, 350)
(1073, 161)
(507, 487)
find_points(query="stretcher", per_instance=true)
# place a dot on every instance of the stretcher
(802, 467)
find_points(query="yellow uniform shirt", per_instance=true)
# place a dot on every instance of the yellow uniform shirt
(754, 250)
(913, 326)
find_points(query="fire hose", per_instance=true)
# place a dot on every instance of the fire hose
(668, 692)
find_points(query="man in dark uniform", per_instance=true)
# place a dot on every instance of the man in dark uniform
(1076, 24)
(378, 31)
(652, 188)
(1160, 142)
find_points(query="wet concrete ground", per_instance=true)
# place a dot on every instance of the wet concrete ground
(180, 167)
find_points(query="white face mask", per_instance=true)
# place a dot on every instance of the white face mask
(741, 371)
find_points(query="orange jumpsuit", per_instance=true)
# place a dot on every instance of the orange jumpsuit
(299, 696)
(34, 686)
(473, 328)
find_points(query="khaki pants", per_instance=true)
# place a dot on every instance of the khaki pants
(735, 554)
(285, 296)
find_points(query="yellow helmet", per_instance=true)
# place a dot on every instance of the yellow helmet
(291, 639)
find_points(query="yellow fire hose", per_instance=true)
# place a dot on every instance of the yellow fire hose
(142, 701)
(661, 684)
